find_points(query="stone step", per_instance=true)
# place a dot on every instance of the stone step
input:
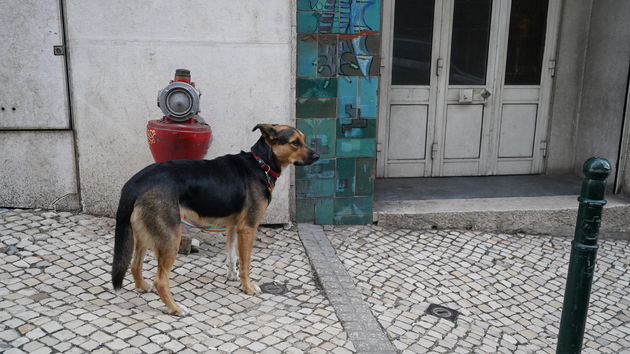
(550, 215)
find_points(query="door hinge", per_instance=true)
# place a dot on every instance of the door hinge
(379, 147)
(59, 50)
(543, 148)
(434, 150)
(552, 67)
(439, 67)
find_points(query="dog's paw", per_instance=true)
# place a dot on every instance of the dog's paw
(251, 289)
(145, 287)
(232, 274)
(180, 310)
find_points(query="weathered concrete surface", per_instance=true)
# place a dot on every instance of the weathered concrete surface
(605, 82)
(37, 169)
(567, 85)
(122, 53)
(538, 215)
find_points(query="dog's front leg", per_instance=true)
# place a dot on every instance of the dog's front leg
(230, 250)
(246, 238)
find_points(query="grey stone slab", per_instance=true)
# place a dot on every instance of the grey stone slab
(355, 315)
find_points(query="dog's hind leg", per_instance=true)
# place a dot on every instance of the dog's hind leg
(141, 240)
(136, 268)
(159, 226)
(166, 254)
(246, 238)
(230, 250)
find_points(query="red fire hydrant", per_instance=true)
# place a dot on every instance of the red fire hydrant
(181, 134)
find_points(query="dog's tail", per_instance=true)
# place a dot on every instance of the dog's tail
(123, 242)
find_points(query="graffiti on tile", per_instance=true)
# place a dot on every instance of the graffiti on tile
(356, 22)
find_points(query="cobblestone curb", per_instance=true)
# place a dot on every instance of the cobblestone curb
(355, 315)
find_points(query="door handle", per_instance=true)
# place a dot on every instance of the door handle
(485, 94)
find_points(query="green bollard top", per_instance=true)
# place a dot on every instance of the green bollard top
(596, 168)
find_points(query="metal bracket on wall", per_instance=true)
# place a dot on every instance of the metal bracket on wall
(59, 50)
(434, 150)
(439, 66)
(552, 67)
(543, 148)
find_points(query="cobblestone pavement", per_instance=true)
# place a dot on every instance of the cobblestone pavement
(507, 288)
(56, 295)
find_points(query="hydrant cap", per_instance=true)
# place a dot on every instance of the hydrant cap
(179, 101)
(182, 73)
(596, 168)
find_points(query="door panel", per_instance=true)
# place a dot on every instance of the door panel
(34, 78)
(408, 130)
(465, 107)
(514, 167)
(520, 94)
(463, 131)
(521, 135)
(460, 168)
(411, 87)
(406, 154)
(518, 125)
(396, 170)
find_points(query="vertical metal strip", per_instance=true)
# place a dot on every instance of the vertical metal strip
(622, 156)
(66, 58)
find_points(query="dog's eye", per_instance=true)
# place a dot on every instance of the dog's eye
(296, 143)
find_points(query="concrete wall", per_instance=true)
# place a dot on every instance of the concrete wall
(590, 85)
(570, 58)
(38, 169)
(623, 181)
(123, 52)
(605, 82)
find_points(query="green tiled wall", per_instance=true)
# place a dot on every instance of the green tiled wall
(336, 105)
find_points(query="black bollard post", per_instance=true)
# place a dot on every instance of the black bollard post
(583, 253)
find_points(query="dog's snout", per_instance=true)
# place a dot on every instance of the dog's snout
(315, 156)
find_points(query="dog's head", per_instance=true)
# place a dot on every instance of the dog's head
(287, 144)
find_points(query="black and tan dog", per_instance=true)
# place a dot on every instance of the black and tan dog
(231, 191)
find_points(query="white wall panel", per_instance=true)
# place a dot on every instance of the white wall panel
(33, 79)
(122, 53)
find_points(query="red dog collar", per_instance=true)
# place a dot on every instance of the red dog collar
(265, 167)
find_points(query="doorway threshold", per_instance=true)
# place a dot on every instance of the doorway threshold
(531, 204)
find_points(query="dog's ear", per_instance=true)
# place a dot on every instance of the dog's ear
(268, 131)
